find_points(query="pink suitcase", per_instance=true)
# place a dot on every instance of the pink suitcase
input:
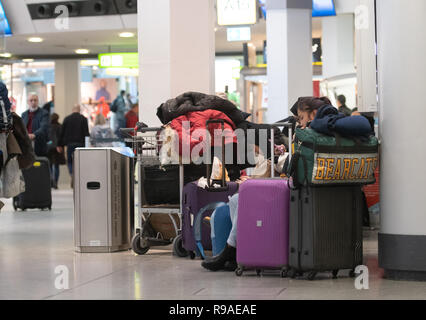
(263, 226)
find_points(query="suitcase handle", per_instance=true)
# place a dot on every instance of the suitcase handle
(224, 186)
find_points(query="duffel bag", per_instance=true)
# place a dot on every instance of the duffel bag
(332, 160)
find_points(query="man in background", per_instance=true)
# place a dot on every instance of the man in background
(118, 106)
(36, 121)
(50, 106)
(75, 129)
(341, 105)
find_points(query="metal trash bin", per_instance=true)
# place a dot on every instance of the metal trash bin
(103, 200)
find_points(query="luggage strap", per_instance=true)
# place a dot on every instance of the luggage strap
(198, 224)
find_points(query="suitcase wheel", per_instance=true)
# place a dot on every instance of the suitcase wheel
(283, 273)
(192, 255)
(178, 249)
(258, 272)
(239, 271)
(291, 273)
(335, 272)
(311, 275)
(136, 245)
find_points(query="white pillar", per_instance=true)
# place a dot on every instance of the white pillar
(338, 45)
(176, 51)
(67, 86)
(401, 70)
(365, 60)
(289, 36)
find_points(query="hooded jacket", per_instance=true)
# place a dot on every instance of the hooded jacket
(197, 129)
(196, 101)
(329, 121)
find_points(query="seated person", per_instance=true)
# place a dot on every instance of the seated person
(307, 108)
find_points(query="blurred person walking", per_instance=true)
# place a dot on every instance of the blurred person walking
(102, 108)
(56, 158)
(74, 130)
(49, 106)
(341, 105)
(118, 106)
(36, 121)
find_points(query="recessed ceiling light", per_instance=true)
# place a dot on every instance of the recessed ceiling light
(126, 35)
(35, 39)
(82, 51)
(28, 60)
(5, 55)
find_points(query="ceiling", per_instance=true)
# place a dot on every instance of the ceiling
(65, 43)
(100, 41)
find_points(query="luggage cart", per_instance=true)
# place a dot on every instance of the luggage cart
(146, 142)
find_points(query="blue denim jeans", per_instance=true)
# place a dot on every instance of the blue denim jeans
(233, 211)
(70, 154)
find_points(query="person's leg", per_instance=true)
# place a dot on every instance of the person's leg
(56, 176)
(227, 259)
(52, 174)
(69, 158)
(233, 211)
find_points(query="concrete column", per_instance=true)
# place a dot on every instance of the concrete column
(289, 36)
(338, 45)
(67, 86)
(401, 69)
(365, 60)
(176, 51)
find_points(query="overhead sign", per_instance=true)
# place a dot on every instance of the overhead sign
(236, 12)
(4, 23)
(119, 60)
(239, 34)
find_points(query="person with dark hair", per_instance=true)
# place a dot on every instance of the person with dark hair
(55, 158)
(341, 105)
(75, 129)
(307, 108)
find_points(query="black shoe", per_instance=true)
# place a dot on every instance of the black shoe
(230, 266)
(218, 262)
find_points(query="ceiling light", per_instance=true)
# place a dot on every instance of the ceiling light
(82, 51)
(28, 60)
(5, 55)
(126, 35)
(35, 39)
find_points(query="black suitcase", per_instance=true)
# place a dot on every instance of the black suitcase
(325, 230)
(38, 193)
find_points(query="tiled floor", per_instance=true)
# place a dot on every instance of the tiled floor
(33, 244)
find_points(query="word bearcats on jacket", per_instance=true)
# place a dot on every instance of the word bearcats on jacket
(344, 168)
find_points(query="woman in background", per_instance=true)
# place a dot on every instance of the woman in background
(55, 158)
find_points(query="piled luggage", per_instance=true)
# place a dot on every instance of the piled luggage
(316, 226)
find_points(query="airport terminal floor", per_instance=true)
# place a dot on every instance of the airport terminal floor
(33, 243)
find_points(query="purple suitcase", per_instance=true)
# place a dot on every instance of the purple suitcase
(263, 225)
(193, 199)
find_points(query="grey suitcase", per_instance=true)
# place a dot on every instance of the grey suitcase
(325, 230)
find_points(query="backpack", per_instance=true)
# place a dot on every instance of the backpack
(220, 223)
(114, 105)
(5, 114)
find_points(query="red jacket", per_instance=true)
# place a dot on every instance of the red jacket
(197, 129)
